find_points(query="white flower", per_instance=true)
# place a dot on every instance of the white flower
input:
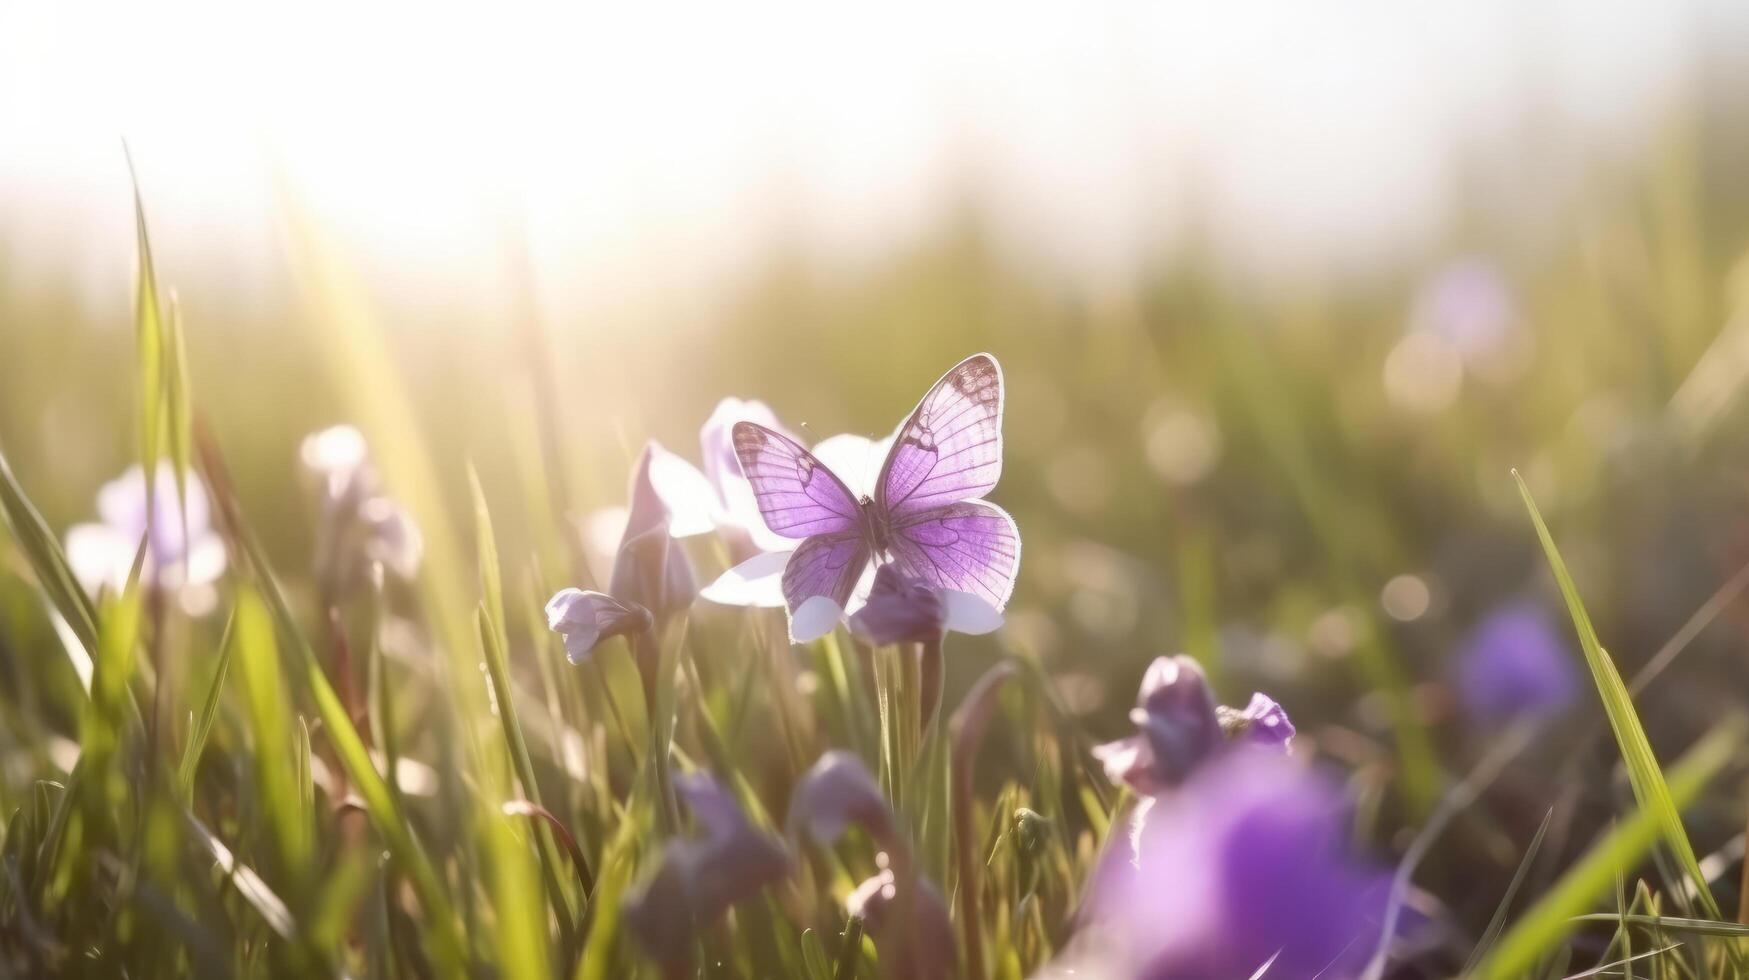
(717, 497)
(177, 556)
(360, 525)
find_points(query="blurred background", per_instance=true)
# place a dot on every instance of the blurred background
(1283, 291)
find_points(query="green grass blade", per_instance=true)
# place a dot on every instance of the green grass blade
(43, 550)
(248, 884)
(203, 721)
(101, 729)
(151, 347)
(494, 640)
(1698, 927)
(443, 936)
(618, 865)
(522, 939)
(1497, 924)
(1548, 923)
(178, 406)
(258, 668)
(1650, 788)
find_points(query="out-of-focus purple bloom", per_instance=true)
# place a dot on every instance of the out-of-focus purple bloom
(1262, 722)
(1516, 663)
(651, 569)
(1245, 863)
(929, 949)
(360, 525)
(701, 877)
(836, 792)
(584, 619)
(839, 791)
(177, 557)
(1179, 727)
(1469, 305)
(1176, 728)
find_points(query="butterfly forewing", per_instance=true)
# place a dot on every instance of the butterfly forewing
(950, 448)
(972, 546)
(797, 495)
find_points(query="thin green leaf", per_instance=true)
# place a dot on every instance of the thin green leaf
(617, 867)
(178, 404)
(494, 641)
(150, 345)
(271, 730)
(814, 956)
(1699, 927)
(1548, 923)
(43, 550)
(383, 806)
(203, 721)
(248, 884)
(1498, 922)
(1647, 779)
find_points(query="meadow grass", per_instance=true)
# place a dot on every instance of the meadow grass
(407, 778)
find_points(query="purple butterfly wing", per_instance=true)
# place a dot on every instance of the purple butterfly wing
(826, 564)
(972, 546)
(950, 448)
(797, 495)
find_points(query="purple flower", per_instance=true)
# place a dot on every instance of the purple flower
(1262, 722)
(1176, 728)
(651, 581)
(900, 610)
(359, 524)
(929, 948)
(584, 619)
(177, 557)
(836, 792)
(699, 878)
(1516, 663)
(1179, 727)
(1469, 305)
(1246, 863)
(839, 791)
(650, 569)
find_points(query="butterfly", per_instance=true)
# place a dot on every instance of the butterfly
(926, 514)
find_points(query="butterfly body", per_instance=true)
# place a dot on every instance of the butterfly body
(925, 514)
(874, 530)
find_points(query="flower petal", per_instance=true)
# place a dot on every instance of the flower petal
(96, 552)
(336, 449)
(900, 609)
(693, 504)
(814, 618)
(836, 792)
(584, 619)
(969, 614)
(855, 459)
(756, 582)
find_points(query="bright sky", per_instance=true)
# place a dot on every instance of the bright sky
(644, 144)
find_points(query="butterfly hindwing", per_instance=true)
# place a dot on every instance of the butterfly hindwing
(950, 448)
(797, 494)
(826, 564)
(971, 546)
